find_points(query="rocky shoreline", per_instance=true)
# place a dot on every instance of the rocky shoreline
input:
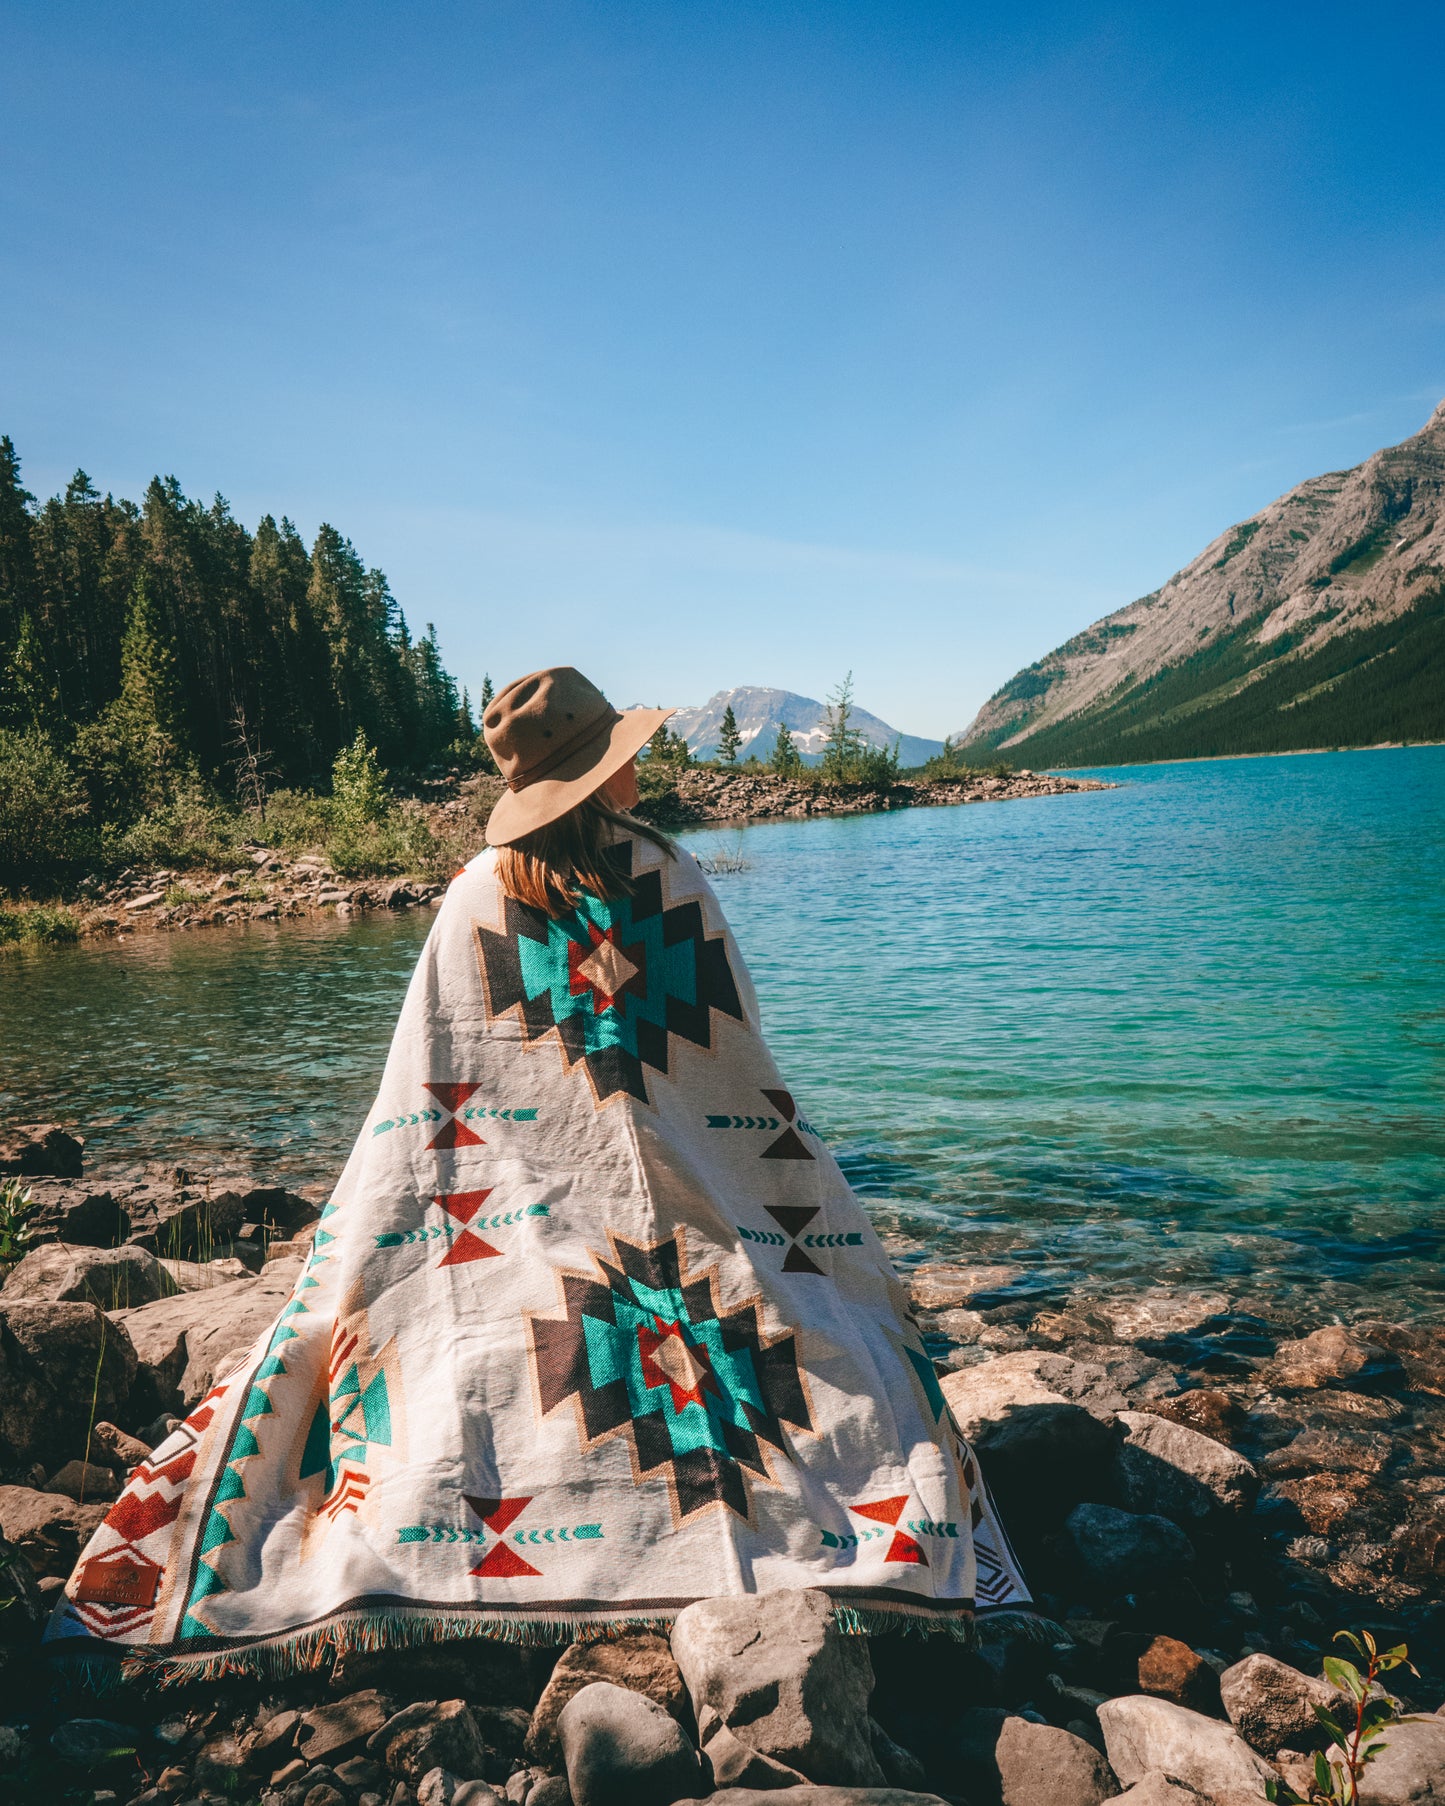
(1199, 1497)
(703, 794)
(266, 884)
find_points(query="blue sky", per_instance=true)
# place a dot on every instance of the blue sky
(705, 344)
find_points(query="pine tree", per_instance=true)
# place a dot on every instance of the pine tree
(786, 759)
(845, 748)
(729, 739)
(132, 754)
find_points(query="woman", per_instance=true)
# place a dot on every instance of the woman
(593, 1325)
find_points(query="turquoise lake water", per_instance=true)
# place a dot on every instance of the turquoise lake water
(1187, 1031)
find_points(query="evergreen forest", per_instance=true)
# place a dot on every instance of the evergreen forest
(161, 653)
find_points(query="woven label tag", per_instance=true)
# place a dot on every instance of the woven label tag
(118, 1580)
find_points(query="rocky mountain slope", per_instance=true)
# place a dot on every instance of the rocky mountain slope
(1320, 621)
(760, 713)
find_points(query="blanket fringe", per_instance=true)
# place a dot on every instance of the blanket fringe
(367, 1632)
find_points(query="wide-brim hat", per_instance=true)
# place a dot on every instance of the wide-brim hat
(556, 738)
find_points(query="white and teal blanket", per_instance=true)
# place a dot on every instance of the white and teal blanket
(593, 1327)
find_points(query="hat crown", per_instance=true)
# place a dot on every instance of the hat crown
(534, 723)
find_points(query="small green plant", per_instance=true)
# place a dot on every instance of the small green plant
(16, 1205)
(1357, 1739)
(36, 924)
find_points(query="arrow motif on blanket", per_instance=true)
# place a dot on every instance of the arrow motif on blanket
(502, 1561)
(789, 1145)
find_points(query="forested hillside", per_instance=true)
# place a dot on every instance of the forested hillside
(1319, 622)
(229, 638)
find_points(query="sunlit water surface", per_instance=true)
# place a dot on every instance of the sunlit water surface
(1188, 1031)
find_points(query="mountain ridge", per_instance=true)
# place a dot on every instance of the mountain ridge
(1320, 620)
(760, 711)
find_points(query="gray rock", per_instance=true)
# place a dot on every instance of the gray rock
(901, 1768)
(430, 1734)
(37, 1149)
(1271, 1704)
(623, 1749)
(815, 1796)
(439, 1788)
(1040, 1765)
(1166, 1468)
(1125, 1551)
(332, 1732)
(1156, 1790)
(113, 1278)
(57, 1361)
(1036, 1417)
(220, 1764)
(731, 1763)
(81, 1214)
(91, 1743)
(82, 1480)
(1410, 1770)
(552, 1790)
(118, 1450)
(779, 1674)
(186, 1343)
(1145, 1736)
(639, 1660)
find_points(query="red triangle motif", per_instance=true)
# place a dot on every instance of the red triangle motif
(885, 1511)
(503, 1563)
(467, 1247)
(464, 1205)
(497, 1514)
(903, 1548)
(456, 1134)
(451, 1096)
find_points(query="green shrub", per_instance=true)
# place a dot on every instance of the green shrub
(192, 829)
(44, 822)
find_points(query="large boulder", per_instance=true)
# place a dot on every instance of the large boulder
(113, 1278)
(48, 1529)
(76, 1211)
(35, 1149)
(623, 1749)
(186, 1343)
(1040, 1765)
(1145, 1736)
(1042, 1424)
(1410, 1770)
(1271, 1704)
(779, 1674)
(61, 1366)
(1157, 1790)
(1126, 1551)
(1169, 1469)
(639, 1660)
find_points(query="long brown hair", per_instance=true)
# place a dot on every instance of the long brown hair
(550, 868)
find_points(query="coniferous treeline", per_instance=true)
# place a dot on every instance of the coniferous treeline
(167, 638)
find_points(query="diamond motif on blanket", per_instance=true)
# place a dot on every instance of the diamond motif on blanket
(643, 1348)
(620, 984)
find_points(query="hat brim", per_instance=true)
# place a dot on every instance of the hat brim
(521, 812)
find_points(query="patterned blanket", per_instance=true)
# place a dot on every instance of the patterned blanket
(593, 1327)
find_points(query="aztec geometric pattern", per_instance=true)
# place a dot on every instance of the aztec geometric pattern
(616, 982)
(793, 1219)
(644, 1349)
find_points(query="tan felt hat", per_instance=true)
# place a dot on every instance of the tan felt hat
(556, 738)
